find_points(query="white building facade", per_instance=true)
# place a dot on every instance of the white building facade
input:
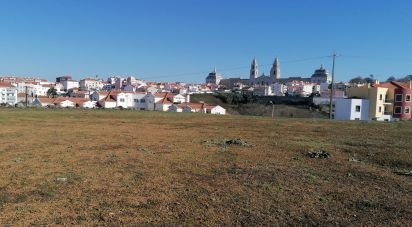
(91, 84)
(8, 94)
(352, 109)
(70, 84)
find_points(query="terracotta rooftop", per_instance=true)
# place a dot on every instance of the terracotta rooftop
(5, 85)
(393, 84)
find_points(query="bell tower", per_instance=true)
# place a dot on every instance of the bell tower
(254, 72)
(275, 71)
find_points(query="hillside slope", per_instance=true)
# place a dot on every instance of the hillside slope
(260, 109)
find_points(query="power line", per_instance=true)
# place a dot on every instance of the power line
(230, 69)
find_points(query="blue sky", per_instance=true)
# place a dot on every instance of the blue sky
(182, 40)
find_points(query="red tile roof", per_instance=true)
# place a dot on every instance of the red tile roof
(5, 85)
(393, 84)
(45, 100)
(402, 84)
(166, 99)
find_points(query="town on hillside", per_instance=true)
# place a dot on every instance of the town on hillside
(357, 99)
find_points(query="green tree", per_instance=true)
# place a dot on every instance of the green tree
(391, 78)
(52, 92)
(357, 80)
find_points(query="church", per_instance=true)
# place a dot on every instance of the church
(263, 80)
(214, 78)
(320, 76)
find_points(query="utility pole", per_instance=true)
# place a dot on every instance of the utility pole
(26, 103)
(273, 109)
(332, 86)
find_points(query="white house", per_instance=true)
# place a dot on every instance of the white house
(180, 98)
(88, 104)
(279, 89)
(8, 94)
(152, 99)
(124, 99)
(91, 84)
(64, 102)
(177, 108)
(215, 110)
(139, 101)
(169, 99)
(108, 103)
(69, 84)
(43, 101)
(121, 99)
(164, 103)
(99, 95)
(352, 109)
(299, 88)
(32, 89)
(194, 108)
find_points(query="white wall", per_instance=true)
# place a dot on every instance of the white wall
(218, 110)
(69, 84)
(345, 109)
(67, 103)
(179, 99)
(89, 104)
(109, 105)
(8, 95)
(175, 108)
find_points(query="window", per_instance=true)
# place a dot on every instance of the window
(136, 100)
(407, 110)
(380, 97)
(408, 98)
(398, 109)
(380, 109)
(398, 98)
(121, 100)
(357, 108)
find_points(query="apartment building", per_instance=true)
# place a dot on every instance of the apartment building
(380, 105)
(8, 94)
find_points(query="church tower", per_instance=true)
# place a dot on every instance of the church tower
(254, 72)
(275, 71)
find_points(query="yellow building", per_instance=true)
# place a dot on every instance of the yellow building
(380, 104)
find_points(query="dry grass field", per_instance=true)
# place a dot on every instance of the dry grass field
(78, 167)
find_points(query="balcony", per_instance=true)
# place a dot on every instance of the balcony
(388, 102)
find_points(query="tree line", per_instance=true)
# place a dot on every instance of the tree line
(370, 79)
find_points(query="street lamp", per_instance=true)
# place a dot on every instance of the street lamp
(273, 108)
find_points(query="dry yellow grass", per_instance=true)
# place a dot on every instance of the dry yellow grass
(78, 167)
